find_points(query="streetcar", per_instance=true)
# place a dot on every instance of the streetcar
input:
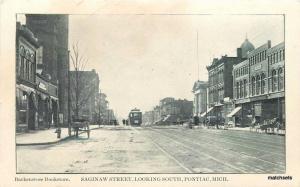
(135, 117)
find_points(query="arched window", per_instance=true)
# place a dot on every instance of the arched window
(20, 67)
(253, 85)
(245, 88)
(237, 90)
(257, 85)
(241, 89)
(280, 79)
(263, 83)
(27, 61)
(274, 81)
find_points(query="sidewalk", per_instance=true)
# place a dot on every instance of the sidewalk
(44, 137)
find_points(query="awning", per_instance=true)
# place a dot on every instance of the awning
(204, 113)
(167, 117)
(54, 98)
(232, 113)
(25, 88)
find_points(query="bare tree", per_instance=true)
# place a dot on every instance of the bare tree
(81, 89)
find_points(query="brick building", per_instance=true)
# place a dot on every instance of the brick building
(220, 84)
(26, 105)
(172, 111)
(36, 101)
(259, 85)
(52, 32)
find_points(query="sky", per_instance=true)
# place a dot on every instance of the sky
(142, 58)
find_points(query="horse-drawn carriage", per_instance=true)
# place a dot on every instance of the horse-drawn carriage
(80, 123)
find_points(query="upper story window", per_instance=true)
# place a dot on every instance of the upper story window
(245, 88)
(241, 89)
(280, 79)
(257, 85)
(274, 81)
(237, 90)
(263, 83)
(20, 65)
(253, 86)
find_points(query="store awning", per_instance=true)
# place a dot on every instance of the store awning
(204, 113)
(25, 88)
(167, 117)
(232, 113)
(54, 98)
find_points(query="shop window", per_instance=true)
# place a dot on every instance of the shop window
(280, 79)
(274, 81)
(257, 85)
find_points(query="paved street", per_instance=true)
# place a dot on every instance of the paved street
(172, 149)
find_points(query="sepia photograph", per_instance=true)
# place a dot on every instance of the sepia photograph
(150, 93)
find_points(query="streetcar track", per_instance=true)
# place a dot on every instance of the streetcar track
(260, 140)
(214, 140)
(167, 154)
(207, 155)
(253, 167)
(244, 153)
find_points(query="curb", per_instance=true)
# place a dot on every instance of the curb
(53, 142)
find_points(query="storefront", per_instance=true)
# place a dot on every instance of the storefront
(47, 103)
(26, 108)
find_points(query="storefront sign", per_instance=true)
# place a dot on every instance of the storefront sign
(42, 86)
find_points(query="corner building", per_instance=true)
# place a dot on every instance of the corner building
(259, 85)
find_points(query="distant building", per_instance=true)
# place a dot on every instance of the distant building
(52, 32)
(200, 97)
(156, 114)
(148, 118)
(84, 86)
(259, 85)
(101, 108)
(173, 111)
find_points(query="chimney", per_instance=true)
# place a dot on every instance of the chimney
(239, 52)
(269, 44)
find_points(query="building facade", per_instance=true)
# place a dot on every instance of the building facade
(52, 32)
(220, 82)
(173, 111)
(259, 85)
(26, 105)
(36, 101)
(148, 118)
(200, 98)
(102, 107)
